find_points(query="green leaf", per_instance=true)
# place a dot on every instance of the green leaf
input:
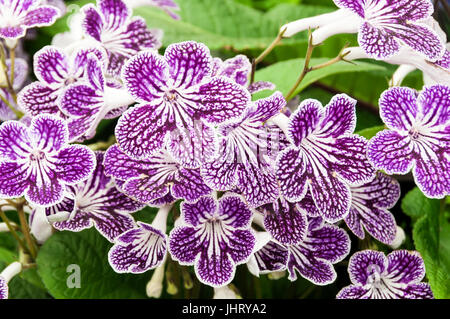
(89, 251)
(22, 289)
(284, 74)
(431, 235)
(227, 24)
(371, 131)
(7, 256)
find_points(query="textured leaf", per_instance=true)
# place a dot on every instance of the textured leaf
(370, 132)
(89, 250)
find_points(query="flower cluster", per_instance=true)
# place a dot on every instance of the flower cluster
(256, 185)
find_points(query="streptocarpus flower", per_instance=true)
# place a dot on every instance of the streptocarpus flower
(95, 202)
(398, 276)
(417, 138)
(36, 160)
(245, 158)
(6, 275)
(16, 16)
(86, 104)
(122, 36)
(168, 6)
(325, 156)
(383, 26)
(141, 248)
(55, 70)
(155, 177)
(179, 100)
(369, 209)
(214, 236)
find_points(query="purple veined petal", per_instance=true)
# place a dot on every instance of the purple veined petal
(285, 222)
(78, 59)
(234, 211)
(80, 100)
(146, 189)
(12, 32)
(308, 206)
(79, 127)
(162, 201)
(304, 121)
(377, 43)
(414, 10)
(74, 163)
(357, 6)
(339, 117)
(219, 100)
(331, 195)
(220, 174)
(37, 98)
(42, 16)
(141, 130)
(398, 108)
(364, 264)
(12, 180)
(189, 63)
(272, 257)
(434, 104)
(49, 133)
(216, 271)
(92, 22)
(120, 165)
(115, 13)
(315, 270)
(94, 72)
(241, 243)
(390, 151)
(405, 267)
(184, 245)
(329, 243)
(138, 250)
(291, 168)
(444, 62)
(63, 210)
(15, 143)
(193, 146)
(432, 175)
(48, 193)
(353, 292)
(418, 291)
(258, 184)
(197, 213)
(422, 39)
(268, 107)
(4, 290)
(190, 185)
(237, 68)
(260, 86)
(145, 76)
(351, 161)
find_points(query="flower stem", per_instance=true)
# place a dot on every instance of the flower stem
(26, 230)
(12, 57)
(17, 112)
(12, 230)
(103, 145)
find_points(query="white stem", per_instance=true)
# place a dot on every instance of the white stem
(400, 74)
(13, 269)
(282, 121)
(11, 43)
(155, 285)
(81, 44)
(297, 26)
(350, 24)
(160, 220)
(399, 238)
(3, 228)
(116, 98)
(354, 53)
(224, 293)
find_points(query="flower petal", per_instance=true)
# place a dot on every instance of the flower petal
(37, 98)
(357, 6)
(14, 141)
(432, 175)
(339, 117)
(92, 22)
(115, 13)
(291, 174)
(304, 121)
(352, 292)
(364, 264)
(190, 185)
(42, 16)
(196, 213)
(398, 108)
(234, 211)
(405, 267)
(377, 43)
(272, 257)
(75, 163)
(12, 179)
(46, 194)
(51, 66)
(184, 245)
(434, 104)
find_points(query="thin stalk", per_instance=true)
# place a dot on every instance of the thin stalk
(12, 230)
(26, 231)
(17, 112)
(12, 57)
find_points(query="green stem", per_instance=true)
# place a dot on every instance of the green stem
(17, 112)
(12, 230)
(26, 231)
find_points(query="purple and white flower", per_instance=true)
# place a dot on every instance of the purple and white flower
(16, 16)
(383, 26)
(38, 162)
(6, 275)
(155, 177)
(95, 202)
(325, 156)
(110, 24)
(417, 138)
(179, 101)
(247, 154)
(215, 237)
(397, 276)
(369, 209)
(141, 248)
